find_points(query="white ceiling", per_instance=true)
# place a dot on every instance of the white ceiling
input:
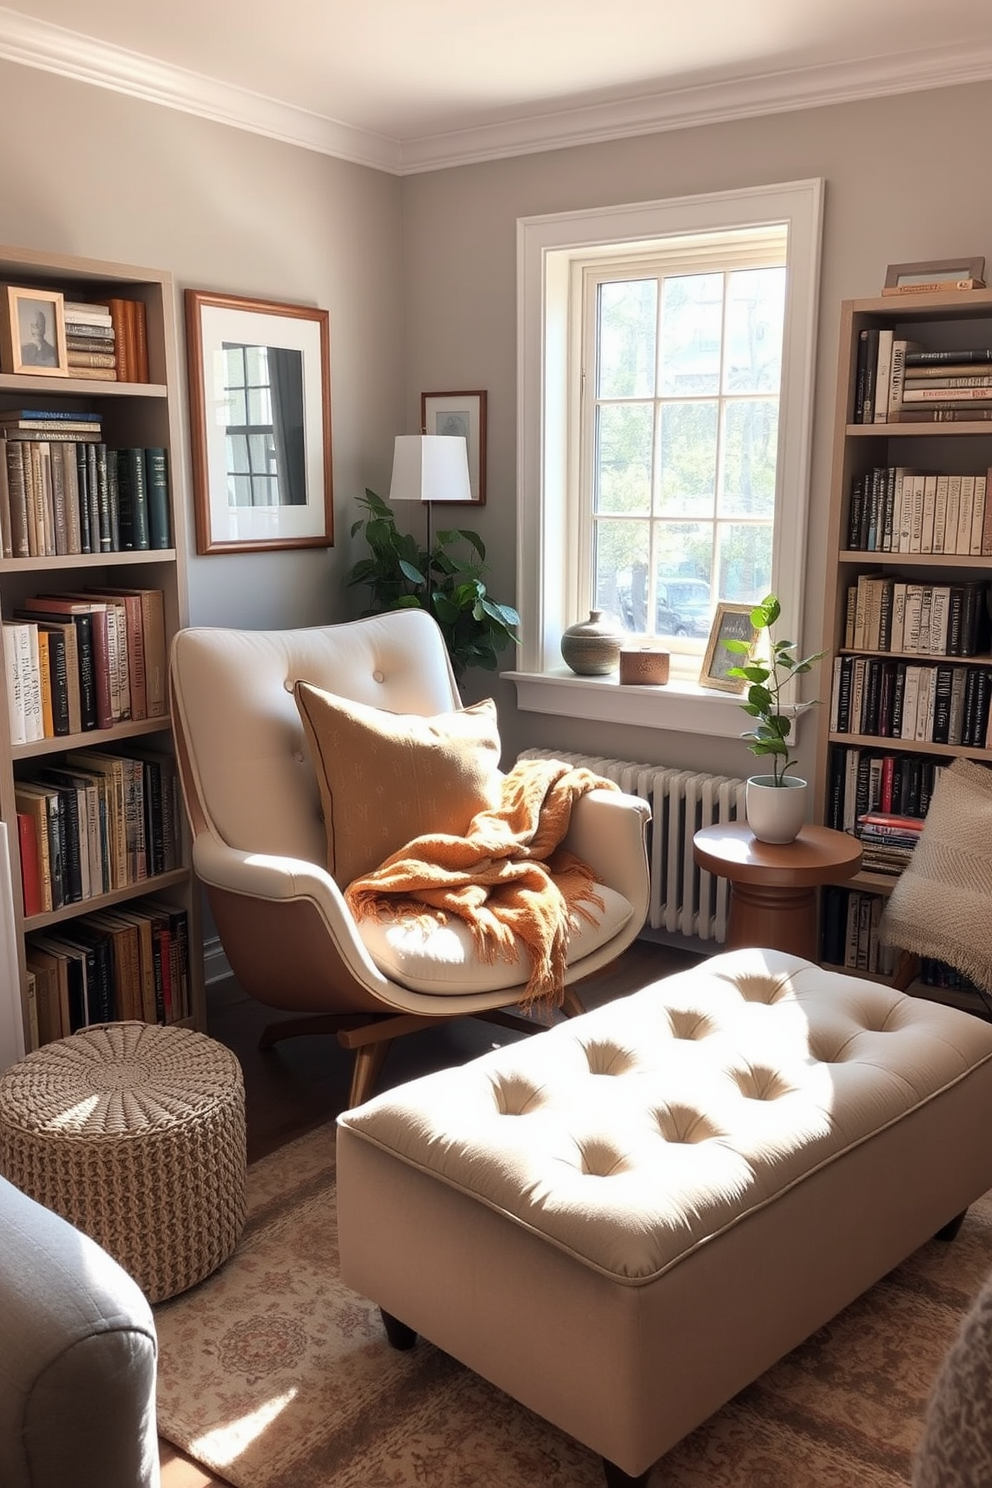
(408, 85)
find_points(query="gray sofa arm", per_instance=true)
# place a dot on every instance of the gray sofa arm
(77, 1359)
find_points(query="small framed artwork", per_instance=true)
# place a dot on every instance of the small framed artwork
(32, 332)
(732, 622)
(260, 418)
(464, 414)
(935, 274)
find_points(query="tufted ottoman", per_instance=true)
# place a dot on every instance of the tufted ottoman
(625, 1219)
(135, 1133)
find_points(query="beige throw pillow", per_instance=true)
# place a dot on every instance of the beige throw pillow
(386, 778)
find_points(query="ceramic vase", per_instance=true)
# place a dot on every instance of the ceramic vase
(775, 813)
(592, 648)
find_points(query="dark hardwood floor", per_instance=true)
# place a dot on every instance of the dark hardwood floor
(303, 1082)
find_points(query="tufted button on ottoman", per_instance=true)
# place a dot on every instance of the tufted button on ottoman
(134, 1133)
(624, 1220)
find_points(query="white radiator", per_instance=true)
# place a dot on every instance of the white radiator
(685, 900)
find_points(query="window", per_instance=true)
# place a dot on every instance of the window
(264, 390)
(665, 386)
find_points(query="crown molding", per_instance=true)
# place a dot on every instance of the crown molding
(708, 103)
(54, 49)
(33, 43)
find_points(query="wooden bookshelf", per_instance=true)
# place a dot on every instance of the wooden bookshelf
(943, 322)
(133, 414)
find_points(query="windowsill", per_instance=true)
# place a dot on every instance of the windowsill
(681, 706)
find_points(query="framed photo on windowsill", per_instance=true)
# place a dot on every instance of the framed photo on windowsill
(464, 414)
(732, 622)
(260, 418)
(32, 332)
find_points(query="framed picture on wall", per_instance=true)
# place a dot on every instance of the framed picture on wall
(260, 418)
(32, 332)
(460, 414)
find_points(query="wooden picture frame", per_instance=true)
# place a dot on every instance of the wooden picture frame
(465, 414)
(939, 271)
(731, 622)
(32, 332)
(260, 419)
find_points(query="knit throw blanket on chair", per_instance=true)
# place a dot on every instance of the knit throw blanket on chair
(940, 905)
(508, 878)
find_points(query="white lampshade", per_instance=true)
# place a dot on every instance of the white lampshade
(430, 467)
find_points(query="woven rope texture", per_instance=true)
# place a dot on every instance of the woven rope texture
(134, 1133)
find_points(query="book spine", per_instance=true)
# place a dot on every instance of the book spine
(157, 482)
(18, 500)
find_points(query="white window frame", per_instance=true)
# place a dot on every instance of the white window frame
(547, 246)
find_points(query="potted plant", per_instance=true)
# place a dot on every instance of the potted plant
(775, 803)
(447, 581)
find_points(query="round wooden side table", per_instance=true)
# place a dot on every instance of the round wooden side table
(773, 886)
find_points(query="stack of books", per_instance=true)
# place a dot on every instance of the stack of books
(944, 386)
(887, 841)
(90, 341)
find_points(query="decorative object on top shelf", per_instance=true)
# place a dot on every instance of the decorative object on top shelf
(446, 579)
(592, 647)
(720, 669)
(934, 277)
(260, 417)
(775, 804)
(462, 415)
(32, 332)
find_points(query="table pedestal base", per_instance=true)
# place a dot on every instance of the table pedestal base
(778, 917)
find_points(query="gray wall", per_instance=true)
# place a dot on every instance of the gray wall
(419, 277)
(90, 172)
(897, 190)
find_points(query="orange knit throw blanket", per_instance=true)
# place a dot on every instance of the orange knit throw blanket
(507, 878)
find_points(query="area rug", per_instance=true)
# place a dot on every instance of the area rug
(272, 1374)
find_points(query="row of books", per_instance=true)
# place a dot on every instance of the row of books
(77, 495)
(84, 660)
(937, 704)
(107, 340)
(94, 822)
(862, 780)
(893, 614)
(849, 931)
(897, 510)
(898, 380)
(131, 962)
(849, 937)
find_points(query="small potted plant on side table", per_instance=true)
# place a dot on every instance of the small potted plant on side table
(775, 803)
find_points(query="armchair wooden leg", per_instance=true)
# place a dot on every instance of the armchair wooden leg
(369, 1059)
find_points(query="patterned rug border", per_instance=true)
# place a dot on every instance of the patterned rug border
(272, 1374)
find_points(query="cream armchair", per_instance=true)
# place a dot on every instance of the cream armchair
(260, 845)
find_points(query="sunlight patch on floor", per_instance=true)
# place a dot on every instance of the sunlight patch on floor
(226, 1443)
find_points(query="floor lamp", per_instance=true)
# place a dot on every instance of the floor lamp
(429, 468)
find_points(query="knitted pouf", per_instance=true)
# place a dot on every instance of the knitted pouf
(135, 1134)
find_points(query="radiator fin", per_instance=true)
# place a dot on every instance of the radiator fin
(685, 900)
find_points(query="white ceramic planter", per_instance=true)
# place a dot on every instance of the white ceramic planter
(775, 813)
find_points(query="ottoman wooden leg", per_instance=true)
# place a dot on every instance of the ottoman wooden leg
(617, 1478)
(399, 1335)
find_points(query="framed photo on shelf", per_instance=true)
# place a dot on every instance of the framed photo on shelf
(260, 418)
(464, 414)
(32, 332)
(731, 622)
(933, 274)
